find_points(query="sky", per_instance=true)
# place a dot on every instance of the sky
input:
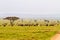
(30, 8)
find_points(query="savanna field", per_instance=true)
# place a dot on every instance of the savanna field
(13, 29)
(29, 19)
(27, 33)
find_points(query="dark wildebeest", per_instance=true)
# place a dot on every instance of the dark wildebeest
(4, 24)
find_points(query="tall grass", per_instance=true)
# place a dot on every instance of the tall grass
(27, 33)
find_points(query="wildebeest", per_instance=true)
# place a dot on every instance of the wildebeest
(4, 24)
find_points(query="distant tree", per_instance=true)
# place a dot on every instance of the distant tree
(46, 21)
(35, 20)
(12, 19)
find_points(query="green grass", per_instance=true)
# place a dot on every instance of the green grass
(27, 33)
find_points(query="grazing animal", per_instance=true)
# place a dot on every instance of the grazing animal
(52, 25)
(47, 25)
(4, 24)
(20, 25)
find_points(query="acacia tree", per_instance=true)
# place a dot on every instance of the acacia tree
(12, 19)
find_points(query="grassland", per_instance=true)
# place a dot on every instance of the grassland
(28, 33)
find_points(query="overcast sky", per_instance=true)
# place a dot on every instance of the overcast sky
(30, 8)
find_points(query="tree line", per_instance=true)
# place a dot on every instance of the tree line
(30, 23)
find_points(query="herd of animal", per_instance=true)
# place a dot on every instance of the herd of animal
(38, 22)
(30, 22)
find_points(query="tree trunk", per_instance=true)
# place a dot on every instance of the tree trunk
(11, 22)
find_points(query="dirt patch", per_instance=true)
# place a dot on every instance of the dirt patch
(56, 37)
